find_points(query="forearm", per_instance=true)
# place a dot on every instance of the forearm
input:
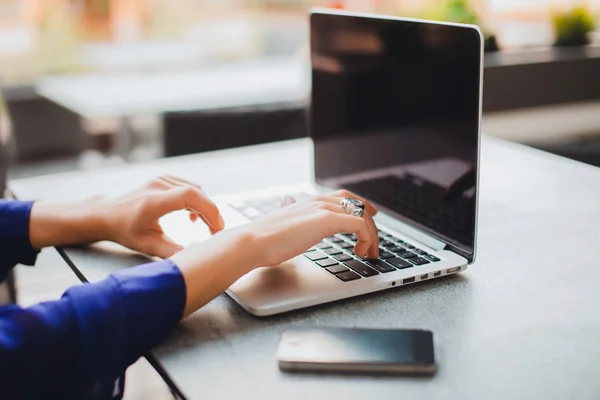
(61, 223)
(209, 268)
(79, 346)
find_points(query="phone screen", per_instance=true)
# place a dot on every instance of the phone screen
(357, 350)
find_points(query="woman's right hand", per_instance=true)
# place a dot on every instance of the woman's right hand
(210, 267)
(296, 228)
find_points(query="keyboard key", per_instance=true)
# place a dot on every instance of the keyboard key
(335, 239)
(387, 243)
(408, 246)
(251, 212)
(348, 276)
(383, 235)
(406, 255)
(350, 236)
(361, 268)
(337, 269)
(321, 245)
(419, 261)
(381, 266)
(326, 263)
(384, 255)
(332, 251)
(431, 258)
(315, 256)
(346, 245)
(343, 257)
(300, 196)
(420, 252)
(399, 263)
(396, 249)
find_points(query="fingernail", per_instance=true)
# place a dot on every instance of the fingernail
(221, 221)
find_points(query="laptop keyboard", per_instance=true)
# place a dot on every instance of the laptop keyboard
(422, 202)
(335, 254)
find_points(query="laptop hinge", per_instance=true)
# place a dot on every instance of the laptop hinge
(411, 232)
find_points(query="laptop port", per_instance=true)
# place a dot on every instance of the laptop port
(423, 277)
(436, 274)
(453, 270)
(408, 280)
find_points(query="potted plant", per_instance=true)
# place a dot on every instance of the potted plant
(572, 27)
(461, 11)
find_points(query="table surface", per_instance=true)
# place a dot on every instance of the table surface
(272, 80)
(522, 322)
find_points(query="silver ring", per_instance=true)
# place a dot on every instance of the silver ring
(353, 206)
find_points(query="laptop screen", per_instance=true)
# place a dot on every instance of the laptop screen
(395, 118)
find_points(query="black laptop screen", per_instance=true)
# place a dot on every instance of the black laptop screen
(395, 118)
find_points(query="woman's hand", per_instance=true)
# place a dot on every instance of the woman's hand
(296, 228)
(210, 267)
(131, 220)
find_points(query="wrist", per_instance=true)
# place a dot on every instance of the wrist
(247, 246)
(100, 219)
(210, 267)
(235, 249)
(55, 224)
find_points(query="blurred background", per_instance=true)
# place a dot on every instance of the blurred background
(91, 83)
(87, 84)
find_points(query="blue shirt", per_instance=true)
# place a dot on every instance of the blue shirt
(80, 346)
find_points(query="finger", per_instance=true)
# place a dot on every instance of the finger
(368, 206)
(180, 181)
(373, 251)
(193, 199)
(212, 229)
(357, 225)
(159, 184)
(195, 216)
(160, 246)
(287, 201)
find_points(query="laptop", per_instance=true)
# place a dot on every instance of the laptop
(395, 118)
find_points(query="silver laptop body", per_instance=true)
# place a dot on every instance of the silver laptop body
(395, 117)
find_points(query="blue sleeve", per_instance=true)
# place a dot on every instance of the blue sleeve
(15, 247)
(80, 346)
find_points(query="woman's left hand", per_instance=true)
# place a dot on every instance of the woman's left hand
(134, 217)
(130, 220)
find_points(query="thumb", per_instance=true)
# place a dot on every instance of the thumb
(161, 246)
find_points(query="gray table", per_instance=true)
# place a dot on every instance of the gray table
(123, 95)
(120, 94)
(523, 322)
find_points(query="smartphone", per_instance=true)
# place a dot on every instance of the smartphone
(369, 351)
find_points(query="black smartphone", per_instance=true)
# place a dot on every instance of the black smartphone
(345, 350)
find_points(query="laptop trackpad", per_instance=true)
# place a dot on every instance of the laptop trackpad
(265, 290)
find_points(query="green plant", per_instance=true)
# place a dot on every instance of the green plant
(572, 27)
(458, 11)
(461, 11)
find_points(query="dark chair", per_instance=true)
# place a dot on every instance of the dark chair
(40, 128)
(199, 131)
